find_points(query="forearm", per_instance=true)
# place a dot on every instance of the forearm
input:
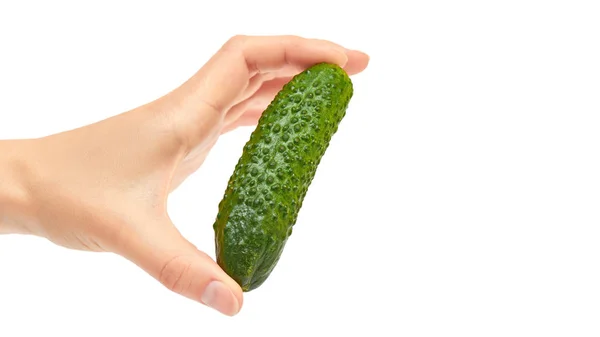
(14, 196)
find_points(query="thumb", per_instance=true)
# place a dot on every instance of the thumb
(178, 265)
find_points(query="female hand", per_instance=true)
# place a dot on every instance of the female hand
(104, 187)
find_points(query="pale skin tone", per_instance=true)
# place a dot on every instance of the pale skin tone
(104, 187)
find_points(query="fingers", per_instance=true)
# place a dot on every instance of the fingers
(269, 53)
(173, 261)
(197, 277)
(249, 118)
(254, 84)
(223, 79)
(260, 92)
(357, 62)
(259, 99)
(241, 65)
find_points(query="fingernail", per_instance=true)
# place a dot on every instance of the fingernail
(362, 53)
(219, 297)
(341, 57)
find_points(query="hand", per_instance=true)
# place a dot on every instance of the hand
(104, 187)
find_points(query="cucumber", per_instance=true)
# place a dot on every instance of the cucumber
(267, 188)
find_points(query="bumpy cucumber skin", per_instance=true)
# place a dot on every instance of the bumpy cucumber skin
(266, 190)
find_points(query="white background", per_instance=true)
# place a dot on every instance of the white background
(460, 196)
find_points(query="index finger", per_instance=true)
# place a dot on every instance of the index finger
(270, 53)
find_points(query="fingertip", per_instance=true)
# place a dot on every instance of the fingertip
(357, 61)
(221, 293)
(364, 57)
(236, 290)
(221, 297)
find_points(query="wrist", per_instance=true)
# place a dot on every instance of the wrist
(15, 199)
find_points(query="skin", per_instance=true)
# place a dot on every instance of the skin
(103, 187)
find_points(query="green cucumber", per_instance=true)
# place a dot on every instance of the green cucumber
(267, 188)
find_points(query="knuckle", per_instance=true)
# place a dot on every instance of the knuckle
(236, 42)
(175, 274)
